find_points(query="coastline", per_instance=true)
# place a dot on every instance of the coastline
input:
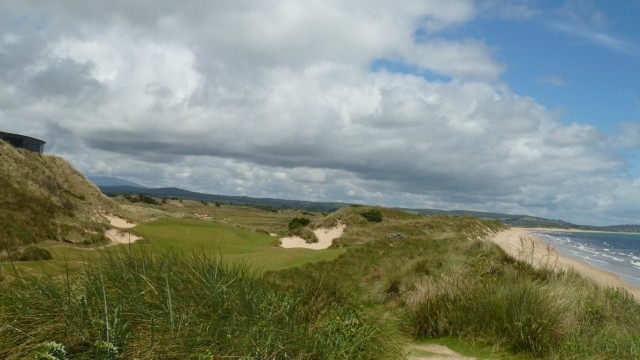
(577, 230)
(523, 245)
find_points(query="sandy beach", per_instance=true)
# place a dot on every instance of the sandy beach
(325, 239)
(523, 245)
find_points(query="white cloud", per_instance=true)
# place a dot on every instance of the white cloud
(280, 97)
(458, 59)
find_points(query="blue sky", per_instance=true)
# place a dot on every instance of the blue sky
(528, 107)
(579, 57)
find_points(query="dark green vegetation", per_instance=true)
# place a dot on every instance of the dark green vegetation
(373, 215)
(44, 198)
(299, 227)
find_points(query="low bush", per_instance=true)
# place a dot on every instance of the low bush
(34, 253)
(305, 233)
(373, 215)
(298, 222)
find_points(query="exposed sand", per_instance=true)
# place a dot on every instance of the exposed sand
(436, 352)
(121, 237)
(325, 239)
(523, 245)
(119, 222)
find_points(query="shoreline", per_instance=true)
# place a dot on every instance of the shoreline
(526, 246)
(577, 230)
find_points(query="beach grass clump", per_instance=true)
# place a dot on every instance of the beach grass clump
(145, 305)
(496, 300)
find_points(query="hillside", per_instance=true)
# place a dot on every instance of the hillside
(507, 219)
(43, 197)
(173, 192)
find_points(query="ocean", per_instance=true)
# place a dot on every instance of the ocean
(615, 252)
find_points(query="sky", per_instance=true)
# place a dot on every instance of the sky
(522, 107)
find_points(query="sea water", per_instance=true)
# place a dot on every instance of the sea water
(615, 252)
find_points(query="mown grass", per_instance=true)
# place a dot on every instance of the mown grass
(166, 306)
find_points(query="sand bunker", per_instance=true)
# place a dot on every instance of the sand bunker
(119, 222)
(325, 239)
(121, 237)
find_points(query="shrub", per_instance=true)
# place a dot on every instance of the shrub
(34, 253)
(298, 223)
(304, 233)
(373, 215)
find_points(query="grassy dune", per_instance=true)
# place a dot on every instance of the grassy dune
(42, 197)
(220, 287)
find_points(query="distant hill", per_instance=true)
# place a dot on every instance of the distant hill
(511, 220)
(43, 197)
(112, 181)
(508, 219)
(527, 220)
(237, 200)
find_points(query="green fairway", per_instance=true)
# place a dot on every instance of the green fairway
(260, 251)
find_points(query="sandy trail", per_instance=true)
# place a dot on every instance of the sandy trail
(325, 239)
(523, 245)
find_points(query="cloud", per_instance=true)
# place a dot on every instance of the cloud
(282, 99)
(554, 80)
(509, 9)
(583, 20)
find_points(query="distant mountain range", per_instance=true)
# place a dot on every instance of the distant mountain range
(275, 204)
(112, 181)
(269, 203)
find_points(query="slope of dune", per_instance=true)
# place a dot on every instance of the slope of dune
(43, 197)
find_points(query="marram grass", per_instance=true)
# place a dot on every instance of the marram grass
(149, 306)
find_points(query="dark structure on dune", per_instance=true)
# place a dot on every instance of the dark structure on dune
(23, 142)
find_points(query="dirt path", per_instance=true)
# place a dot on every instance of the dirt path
(435, 352)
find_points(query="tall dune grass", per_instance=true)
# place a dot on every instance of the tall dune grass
(150, 306)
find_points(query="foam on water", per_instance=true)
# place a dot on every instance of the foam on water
(615, 252)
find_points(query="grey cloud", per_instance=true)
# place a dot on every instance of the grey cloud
(65, 79)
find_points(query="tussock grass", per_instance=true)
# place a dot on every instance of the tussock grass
(496, 300)
(442, 280)
(152, 306)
